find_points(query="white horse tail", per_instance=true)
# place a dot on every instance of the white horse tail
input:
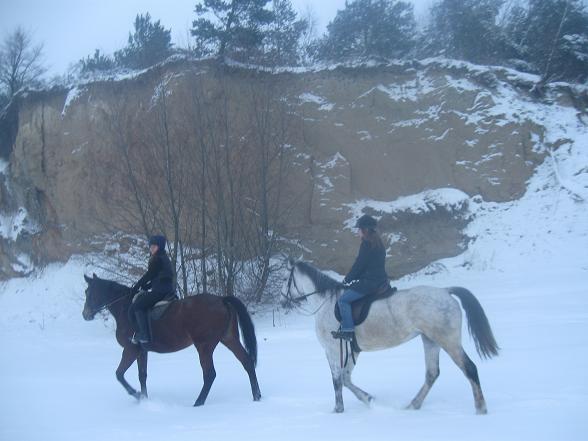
(478, 324)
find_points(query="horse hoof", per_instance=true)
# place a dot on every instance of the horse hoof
(482, 411)
(413, 406)
(338, 409)
(257, 398)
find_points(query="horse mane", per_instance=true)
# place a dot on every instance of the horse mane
(109, 285)
(322, 282)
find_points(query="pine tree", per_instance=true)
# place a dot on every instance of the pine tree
(148, 45)
(370, 28)
(556, 38)
(514, 24)
(98, 62)
(230, 27)
(467, 29)
(283, 34)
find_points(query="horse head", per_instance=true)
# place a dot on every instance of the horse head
(305, 280)
(92, 303)
(289, 262)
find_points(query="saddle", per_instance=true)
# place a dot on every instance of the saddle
(158, 310)
(361, 308)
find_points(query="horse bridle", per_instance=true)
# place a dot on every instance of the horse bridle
(292, 280)
(106, 305)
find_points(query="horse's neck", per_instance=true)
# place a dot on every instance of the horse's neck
(323, 302)
(120, 312)
(325, 308)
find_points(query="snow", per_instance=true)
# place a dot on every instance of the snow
(73, 94)
(527, 264)
(417, 203)
(12, 224)
(335, 161)
(3, 166)
(315, 99)
(163, 89)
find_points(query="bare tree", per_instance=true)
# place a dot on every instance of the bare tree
(206, 167)
(20, 62)
(269, 145)
(148, 186)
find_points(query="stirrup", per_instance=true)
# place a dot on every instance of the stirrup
(343, 335)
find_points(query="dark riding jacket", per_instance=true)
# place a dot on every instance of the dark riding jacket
(368, 272)
(159, 276)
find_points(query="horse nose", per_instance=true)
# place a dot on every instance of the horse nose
(86, 314)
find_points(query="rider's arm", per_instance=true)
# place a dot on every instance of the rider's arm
(359, 265)
(152, 271)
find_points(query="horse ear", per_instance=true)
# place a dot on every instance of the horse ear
(87, 279)
(95, 276)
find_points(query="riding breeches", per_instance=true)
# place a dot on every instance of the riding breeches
(345, 302)
(144, 301)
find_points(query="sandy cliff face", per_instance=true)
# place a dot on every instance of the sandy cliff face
(362, 137)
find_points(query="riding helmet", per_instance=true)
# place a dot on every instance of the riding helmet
(366, 221)
(158, 240)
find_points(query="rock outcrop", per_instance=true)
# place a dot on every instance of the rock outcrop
(362, 136)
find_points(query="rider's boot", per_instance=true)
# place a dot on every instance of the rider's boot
(142, 334)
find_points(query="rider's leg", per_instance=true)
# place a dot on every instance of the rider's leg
(138, 313)
(345, 302)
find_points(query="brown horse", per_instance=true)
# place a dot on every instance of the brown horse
(202, 320)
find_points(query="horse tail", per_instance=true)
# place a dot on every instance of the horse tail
(246, 325)
(478, 324)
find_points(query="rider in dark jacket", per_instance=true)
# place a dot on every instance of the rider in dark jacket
(366, 275)
(156, 283)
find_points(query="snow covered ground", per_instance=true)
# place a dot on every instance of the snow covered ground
(57, 373)
(528, 266)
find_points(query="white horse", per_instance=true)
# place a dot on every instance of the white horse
(429, 312)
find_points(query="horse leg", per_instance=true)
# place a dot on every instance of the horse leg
(142, 365)
(361, 395)
(337, 375)
(468, 367)
(432, 364)
(208, 373)
(129, 355)
(235, 346)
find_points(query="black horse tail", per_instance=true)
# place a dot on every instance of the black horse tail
(246, 325)
(477, 323)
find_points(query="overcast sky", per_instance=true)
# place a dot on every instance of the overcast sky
(72, 29)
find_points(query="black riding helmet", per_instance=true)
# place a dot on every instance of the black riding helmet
(158, 240)
(367, 222)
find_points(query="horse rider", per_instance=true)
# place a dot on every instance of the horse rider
(156, 283)
(366, 275)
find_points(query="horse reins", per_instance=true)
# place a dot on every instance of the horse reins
(290, 281)
(302, 297)
(106, 305)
